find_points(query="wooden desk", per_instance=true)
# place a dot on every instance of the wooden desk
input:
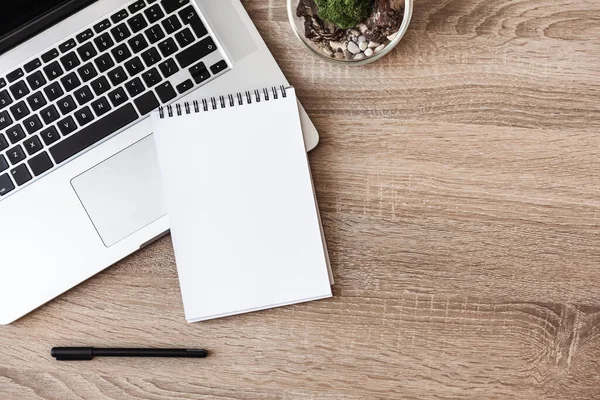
(459, 184)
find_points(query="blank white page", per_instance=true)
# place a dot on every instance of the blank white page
(242, 209)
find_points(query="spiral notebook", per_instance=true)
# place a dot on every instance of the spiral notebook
(242, 209)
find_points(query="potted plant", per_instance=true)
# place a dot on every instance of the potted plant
(350, 31)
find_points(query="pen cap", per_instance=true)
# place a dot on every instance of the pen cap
(72, 353)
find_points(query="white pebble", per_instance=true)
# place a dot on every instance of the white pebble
(327, 50)
(359, 56)
(369, 52)
(344, 46)
(363, 46)
(392, 36)
(355, 32)
(353, 48)
(362, 28)
(372, 45)
(378, 49)
(361, 39)
(335, 45)
(339, 55)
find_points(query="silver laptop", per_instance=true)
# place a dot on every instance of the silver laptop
(79, 185)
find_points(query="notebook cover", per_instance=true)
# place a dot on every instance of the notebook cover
(242, 209)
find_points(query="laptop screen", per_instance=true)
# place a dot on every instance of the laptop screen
(21, 12)
(21, 19)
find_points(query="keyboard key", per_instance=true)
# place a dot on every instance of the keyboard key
(155, 33)
(189, 16)
(167, 47)
(146, 103)
(84, 116)
(200, 75)
(54, 91)
(138, 43)
(66, 105)
(3, 163)
(173, 5)
(151, 77)
(36, 101)
(196, 52)
(15, 155)
(165, 92)
(137, 6)
(32, 65)
(87, 51)
(197, 68)
(100, 85)
(171, 24)
(119, 16)
(118, 97)
(66, 125)
(102, 26)
(5, 99)
(154, 13)
(50, 135)
(151, 57)
(70, 61)
(70, 82)
(134, 66)
(40, 164)
(2, 82)
(87, 72)
(120, 32)
(19, 90)
(137, 23)
(49, 114)
(68, 45)
(36, 80)
(6, 185)
(85, 35)
(33, 124)
(219, 67)
(3, 142)
(19, 110)
(15, 134)
(21, 174)
(117, 76)
(83, 95)
(104, 62)
(185, 86)
(104, 42)
(168, 67)
(16, 74)
(53, 71)
(121, 53)
(93, 133)
(50, 55)
(32, 145)
(101, 106)
(5, 119)
(185, 37)
(134, 87)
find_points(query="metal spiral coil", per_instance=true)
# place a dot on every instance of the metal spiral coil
(214, 103)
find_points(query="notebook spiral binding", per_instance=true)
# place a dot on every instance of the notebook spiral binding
(214, 103)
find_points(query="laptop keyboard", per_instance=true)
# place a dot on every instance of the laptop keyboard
(99, 81)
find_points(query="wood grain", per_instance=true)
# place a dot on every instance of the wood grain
(458, 180)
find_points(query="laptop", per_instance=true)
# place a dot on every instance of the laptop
(79, 182)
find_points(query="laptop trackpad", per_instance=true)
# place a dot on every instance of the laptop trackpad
(123, 194)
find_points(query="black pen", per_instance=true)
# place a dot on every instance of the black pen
(87, 353)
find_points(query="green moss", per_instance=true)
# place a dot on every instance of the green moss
(344, 13)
